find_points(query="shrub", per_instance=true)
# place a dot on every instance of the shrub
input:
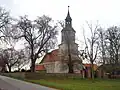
(16, 71)
(23, 70)
(28, 70)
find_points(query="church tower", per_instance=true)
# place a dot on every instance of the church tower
(68, 33)
(68, 45)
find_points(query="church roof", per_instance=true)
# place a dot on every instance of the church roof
(51, 57)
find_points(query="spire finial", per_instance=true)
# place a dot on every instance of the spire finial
(68, 7)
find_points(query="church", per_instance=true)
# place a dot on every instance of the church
(59, 59)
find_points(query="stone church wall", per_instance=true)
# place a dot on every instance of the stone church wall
(56, 67)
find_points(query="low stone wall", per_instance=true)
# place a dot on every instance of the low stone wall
(19, 75)
(29, 75)
(115, 76)
(51, 75)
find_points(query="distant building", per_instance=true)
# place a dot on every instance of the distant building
(57, 60)
(50, 61)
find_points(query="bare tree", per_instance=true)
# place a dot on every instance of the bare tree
(11, 56)
(22, 60)
(92, 46)
(5, 21)
(40, 36)
(102, 45)
(113, 45)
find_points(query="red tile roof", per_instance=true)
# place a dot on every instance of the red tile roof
(51, 57)
(39, 67)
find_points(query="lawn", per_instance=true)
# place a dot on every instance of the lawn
(81, 84)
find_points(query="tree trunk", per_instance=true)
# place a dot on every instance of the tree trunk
(19, 69)
(92, 71)
(103, 54)
(70, 65)
(116, 57)
(33, 59)
(9, 67)
(33, 65)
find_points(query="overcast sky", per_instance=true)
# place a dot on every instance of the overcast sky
(107, 12)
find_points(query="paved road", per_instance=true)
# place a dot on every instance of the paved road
(7, 83)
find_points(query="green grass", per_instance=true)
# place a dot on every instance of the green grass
(81, 84)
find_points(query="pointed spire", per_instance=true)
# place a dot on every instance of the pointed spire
(68, 19)
(68, 15)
